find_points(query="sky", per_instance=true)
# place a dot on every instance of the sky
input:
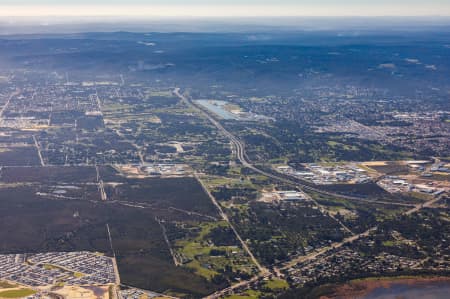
(224, 8)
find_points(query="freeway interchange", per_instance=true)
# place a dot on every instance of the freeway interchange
(239, 150)
(241, 155)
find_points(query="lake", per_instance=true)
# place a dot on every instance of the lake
(217, 108)
(428, 290)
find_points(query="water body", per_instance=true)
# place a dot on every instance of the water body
(429, 290)
(217, 108)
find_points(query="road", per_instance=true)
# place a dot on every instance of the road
(166, 239)
(39, 151)
(137, 147)
(116, 268)
(2, 111)
(420, 206)
(242, 157)
(288, 265)
(238, 236)
(415, 209)
(313, 255)
(101, 185)
(110, 240)
(245, 161)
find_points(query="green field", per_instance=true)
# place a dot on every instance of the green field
(277, 284)
(198, 248)
(250, 294)
(17, 293)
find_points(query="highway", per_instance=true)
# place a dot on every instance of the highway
(245, 161)
(242, 157)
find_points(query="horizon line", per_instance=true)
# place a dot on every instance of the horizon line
(153, 17)
(220, 11)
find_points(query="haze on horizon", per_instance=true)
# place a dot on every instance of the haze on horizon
(222, 8)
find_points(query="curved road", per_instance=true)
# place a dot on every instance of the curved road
(240, 152)
(245, 161)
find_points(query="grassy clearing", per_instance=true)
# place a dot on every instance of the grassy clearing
(197, 249)
(389, 243)
(241, 297)
(51, 267)
(17, 293)
(247, 295)
(277, 284)
(200, 270)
